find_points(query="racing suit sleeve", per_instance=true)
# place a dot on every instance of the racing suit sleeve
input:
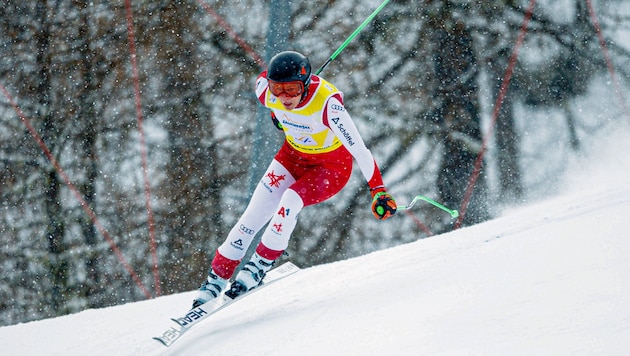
(339, 121)
(261, 87)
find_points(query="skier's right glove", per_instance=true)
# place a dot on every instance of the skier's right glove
(383, 204)
(276, 122)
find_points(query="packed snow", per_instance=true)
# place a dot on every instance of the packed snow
(549, 278)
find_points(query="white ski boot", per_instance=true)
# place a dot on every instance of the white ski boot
(250, 276)
(210, 289)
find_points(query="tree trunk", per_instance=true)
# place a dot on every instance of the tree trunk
(458, 115)
(57, 263)
(86, 113)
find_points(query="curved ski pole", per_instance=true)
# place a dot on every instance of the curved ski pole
(454, 213)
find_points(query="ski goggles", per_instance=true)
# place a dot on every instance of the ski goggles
(290, 89)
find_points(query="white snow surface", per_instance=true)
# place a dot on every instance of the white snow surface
(550, 278)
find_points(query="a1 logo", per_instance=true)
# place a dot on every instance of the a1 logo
(284, 212)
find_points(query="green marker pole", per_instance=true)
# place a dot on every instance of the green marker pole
(352, 36)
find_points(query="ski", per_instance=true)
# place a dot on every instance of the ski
(196, 315)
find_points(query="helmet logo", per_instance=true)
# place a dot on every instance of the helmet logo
(303, 71)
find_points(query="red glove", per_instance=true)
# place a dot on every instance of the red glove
(383, 204)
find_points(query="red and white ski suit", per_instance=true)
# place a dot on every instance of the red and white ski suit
(313, 164)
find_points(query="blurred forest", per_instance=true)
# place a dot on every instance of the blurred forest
(83, 226)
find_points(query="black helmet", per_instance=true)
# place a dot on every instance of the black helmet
(289, 66)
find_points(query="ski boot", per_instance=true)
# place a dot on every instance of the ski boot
(210, 289)
(250, 276)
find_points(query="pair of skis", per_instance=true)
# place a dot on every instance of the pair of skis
(194, 316)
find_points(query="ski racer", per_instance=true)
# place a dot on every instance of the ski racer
(313, 164)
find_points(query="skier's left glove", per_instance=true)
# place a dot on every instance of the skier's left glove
(383, 204)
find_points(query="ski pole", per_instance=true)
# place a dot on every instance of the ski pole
(454, 213)
(352, 36)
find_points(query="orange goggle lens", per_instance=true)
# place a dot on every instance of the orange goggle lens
(291, 89)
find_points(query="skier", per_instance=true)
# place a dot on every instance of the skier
(313, 164)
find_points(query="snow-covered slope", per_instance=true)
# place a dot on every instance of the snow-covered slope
(551, 278)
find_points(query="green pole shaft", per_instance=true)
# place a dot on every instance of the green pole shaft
(454, 213)
(352, 36)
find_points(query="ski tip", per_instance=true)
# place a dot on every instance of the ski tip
(169, 336)
(159, 339)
